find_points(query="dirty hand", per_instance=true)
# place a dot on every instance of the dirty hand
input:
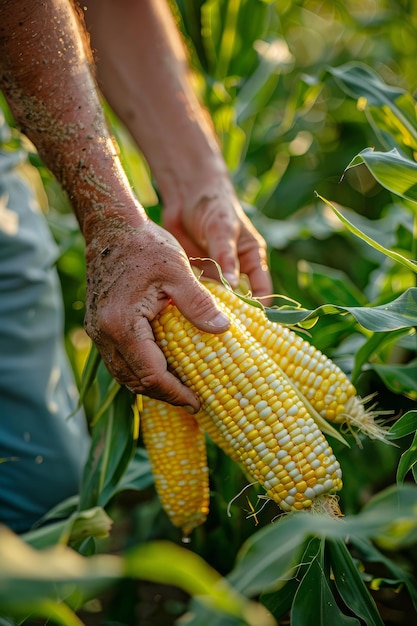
(132, 274)
(211, 223)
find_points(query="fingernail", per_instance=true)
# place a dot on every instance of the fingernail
(220, 320)
(190, 409)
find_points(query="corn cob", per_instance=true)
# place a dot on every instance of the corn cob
(177, 453)
(249, 405)
(322, 383)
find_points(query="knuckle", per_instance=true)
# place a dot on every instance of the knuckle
(204, 301)
(151, 381)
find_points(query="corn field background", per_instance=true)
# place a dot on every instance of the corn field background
(313, 103)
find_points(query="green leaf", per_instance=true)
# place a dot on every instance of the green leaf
(359, 80)
(408, 461)
(56, 612)
(268, 558)
(28, 576)
(90, 523)
(40, 580)
(393, 107)
(227, 42)
(108, 389)
(395, 256)
(112, 448)
(314, 601)
(329, 284)
(138, 474)
(274, 57)
(401, 379)
(400, 313)
(201, 614)
(405, 425)
(392, 170)
(88, 376)
(132, 160)
(366, 350)
(399, 508)
(168, 563)
(63, 509)
(350, 584)
(370, 553)
(280, 601)
(381, 345)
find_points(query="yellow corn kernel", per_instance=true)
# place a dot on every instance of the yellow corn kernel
(244, 384)
(324, 385)
(176, 448)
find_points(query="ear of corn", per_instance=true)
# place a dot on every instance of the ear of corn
(318, 379)
(251, 408)
(176, 448)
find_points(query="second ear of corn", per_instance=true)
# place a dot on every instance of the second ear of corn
(176, 448)
(318, 379)
(261, 387)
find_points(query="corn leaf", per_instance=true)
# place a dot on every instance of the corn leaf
(371, 554)
(108, 389)
(350, 584)
(133, 161)
(279, 602)
(392, 170)
(271, 556)
(314, 601)
(39, 581)
(392, 254)
(166, 562)
(401, 531)
(88, 376)
(81, 524)
(112, 448)
(138, 474)
(375, 342)
(200, 614)
(405, 425)
(408, 462)
(329, 284)
(359, 80)
(54, 612)
(29, 576)
(394, 315)
(401, 379)
(392, 109)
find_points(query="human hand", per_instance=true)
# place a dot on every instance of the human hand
(211, 223)
(132, 274)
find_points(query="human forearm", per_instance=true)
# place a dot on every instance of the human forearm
(144, 74)
(47, 79)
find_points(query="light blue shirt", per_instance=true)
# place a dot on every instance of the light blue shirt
(43, 452)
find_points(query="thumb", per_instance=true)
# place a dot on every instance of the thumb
(198, 305)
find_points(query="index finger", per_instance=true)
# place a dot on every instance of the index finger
(142, 367)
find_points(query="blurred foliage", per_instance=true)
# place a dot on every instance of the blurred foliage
(297, 91)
